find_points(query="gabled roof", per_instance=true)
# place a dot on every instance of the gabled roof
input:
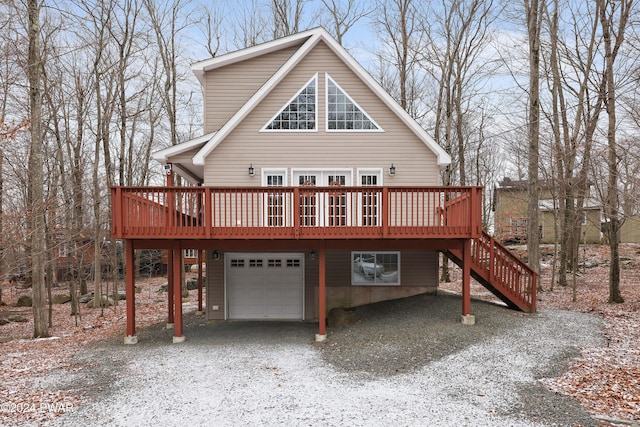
(193, 173)
(200, 67)
(307, 40)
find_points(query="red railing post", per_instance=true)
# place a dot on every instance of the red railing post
(466, 277)
(534, 291)
(472, 212)
(491, 258)
(208, 213)
(116, 204)
(130, 290)
(385, 211)
(296, 207)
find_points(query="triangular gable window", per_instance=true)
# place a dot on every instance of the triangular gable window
(300, 112)
(343, 114)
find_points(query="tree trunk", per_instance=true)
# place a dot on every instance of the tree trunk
(612, 47)
(533, 237)
(36, 205)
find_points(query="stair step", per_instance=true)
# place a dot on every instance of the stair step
(501, 272)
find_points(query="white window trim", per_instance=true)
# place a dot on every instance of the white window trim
(286, 220)
(379, 172)
(370, 171)
(274, 171)
(190, 253)
(286, 104)
(322, 172)
(399, 281)
(327, 77)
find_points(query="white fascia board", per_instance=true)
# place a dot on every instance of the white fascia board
(443, 158)
(199, 158)
(200, 67)
(163, 156)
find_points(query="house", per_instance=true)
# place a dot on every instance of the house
(630, 229)
(510, 213)
(311, 189)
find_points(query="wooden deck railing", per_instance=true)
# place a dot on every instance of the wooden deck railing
(296, 212)
(505, 271)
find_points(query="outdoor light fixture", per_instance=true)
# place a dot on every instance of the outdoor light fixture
(312, 255)
(252, 171)
(392, 170)
(216, 255)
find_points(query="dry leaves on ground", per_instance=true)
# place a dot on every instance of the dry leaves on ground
(24, 361)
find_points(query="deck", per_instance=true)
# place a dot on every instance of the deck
(296, 213)
(447, 219)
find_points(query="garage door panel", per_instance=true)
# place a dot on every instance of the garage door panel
(265, 286)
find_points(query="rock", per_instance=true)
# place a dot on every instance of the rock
(122, 295)
(3, 322)
(61, 299)
(86, 298)
(340, 317)
(24, 301)
(163, 288)
(192, 284)
(17, 318)
(105, 302)
(194, 267)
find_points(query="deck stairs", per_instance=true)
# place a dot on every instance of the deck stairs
(501, 272)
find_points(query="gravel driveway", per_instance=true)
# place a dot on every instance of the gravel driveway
(400, 363)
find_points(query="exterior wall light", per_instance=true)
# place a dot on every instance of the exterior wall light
(252, 171)
(392, 170)
(216, 255)
(312, 255)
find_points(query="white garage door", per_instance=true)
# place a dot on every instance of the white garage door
(264, 285)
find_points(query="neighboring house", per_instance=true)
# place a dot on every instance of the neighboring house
(510, 214)
(630, 230)
(312, 189)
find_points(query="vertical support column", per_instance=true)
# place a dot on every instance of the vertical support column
(386, 209)
(322, 293)
(170, 286)
(200, 252)
(177, 288)
(130, 275)
(467, 317)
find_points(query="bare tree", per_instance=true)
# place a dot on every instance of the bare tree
(398, 24)
(211, 28)
(287, 17)
(614, 17)
(455, 35)
(341, 15)
(534, 15)
(576, 86)
(250, 26)
(36, 200)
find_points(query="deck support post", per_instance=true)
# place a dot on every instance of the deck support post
(467, 317)
(322, 293)
(170, 286)
(177, 288)
(200, 311)
(130, 276)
